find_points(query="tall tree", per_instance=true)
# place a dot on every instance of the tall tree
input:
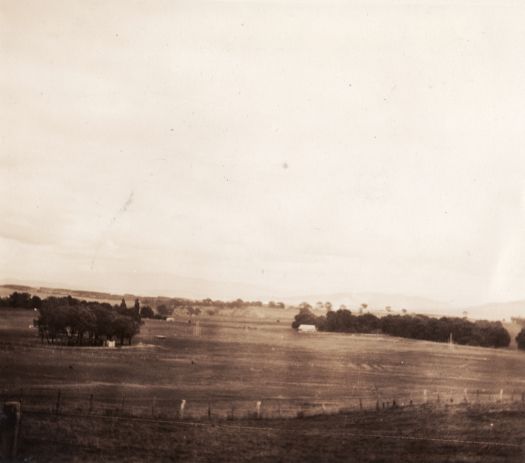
(520, 339)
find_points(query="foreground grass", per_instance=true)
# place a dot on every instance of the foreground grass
(415, 434)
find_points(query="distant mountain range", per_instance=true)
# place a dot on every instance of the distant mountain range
(498, 310)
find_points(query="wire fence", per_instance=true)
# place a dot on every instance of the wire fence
(71, 402)
(104, 423)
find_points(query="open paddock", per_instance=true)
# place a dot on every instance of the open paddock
(224, 368)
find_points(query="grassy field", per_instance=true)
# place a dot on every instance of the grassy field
(419, 434)
(234, 363)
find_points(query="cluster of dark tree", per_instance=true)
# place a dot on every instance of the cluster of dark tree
(21, 300)
(479, 333)
(71, 321)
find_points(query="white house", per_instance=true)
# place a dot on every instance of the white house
(307, 329)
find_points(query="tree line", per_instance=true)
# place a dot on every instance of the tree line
(153, 307)
(479, 333)
(164, 305)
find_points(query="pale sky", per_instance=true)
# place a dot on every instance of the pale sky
(264, 148)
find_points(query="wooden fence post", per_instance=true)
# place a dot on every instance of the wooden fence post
(182, 406)
(360, 404)
(9, 429)
(258, 409)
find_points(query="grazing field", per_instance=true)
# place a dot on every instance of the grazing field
(235, 363)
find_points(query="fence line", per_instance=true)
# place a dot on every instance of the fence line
(54, 425)
(470, 393)
(62, 401)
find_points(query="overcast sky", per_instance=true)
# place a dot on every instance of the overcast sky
(264, 148)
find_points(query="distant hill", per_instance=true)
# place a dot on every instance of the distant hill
(44, 291)
(377, 302)
(497, 310)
